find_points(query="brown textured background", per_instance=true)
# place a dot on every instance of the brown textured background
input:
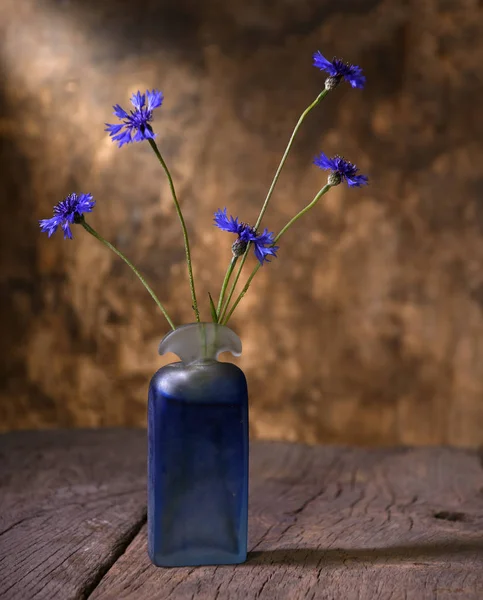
(369, 326)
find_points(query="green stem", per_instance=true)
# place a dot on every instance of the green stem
(183, 226)
(228, 274)
(242, 293)
(317, 101)
(99, 237)
(233, 286)
(318, 196)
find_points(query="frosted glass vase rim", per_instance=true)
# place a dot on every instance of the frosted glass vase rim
(203, 341)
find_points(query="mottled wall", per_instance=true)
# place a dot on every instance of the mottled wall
(369, 326)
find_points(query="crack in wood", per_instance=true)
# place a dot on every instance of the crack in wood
(218, 587)
(313, 498)
(118, 551)
(13, 525)
(83, 504)
(448, 515)
(262, 539)
(46, 575)
(183, 579)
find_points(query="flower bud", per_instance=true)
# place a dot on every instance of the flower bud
(332, 82)
(334, 178)
(238, 247)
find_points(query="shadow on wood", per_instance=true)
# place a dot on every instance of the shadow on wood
(336, 556)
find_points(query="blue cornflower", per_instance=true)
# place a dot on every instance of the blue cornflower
(263, 243)
(66, 212)
(135, 126)
(341, 170)
(338, 70)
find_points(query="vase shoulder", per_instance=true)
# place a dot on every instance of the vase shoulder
(209, 381)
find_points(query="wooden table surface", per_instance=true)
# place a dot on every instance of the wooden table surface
(325, 522)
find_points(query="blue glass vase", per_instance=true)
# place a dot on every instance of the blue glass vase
(198, 452)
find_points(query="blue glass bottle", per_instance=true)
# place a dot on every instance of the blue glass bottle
(198, 452)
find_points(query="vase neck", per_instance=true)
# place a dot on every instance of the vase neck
(200, 341)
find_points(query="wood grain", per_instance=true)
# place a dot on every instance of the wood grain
(325, 522)
(70, 503)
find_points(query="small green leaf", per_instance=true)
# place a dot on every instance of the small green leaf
(213, 309)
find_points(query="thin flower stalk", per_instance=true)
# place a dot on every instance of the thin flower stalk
(228, 274)
(99, 237)
(156, 151)
(315, 103)
(301, 213)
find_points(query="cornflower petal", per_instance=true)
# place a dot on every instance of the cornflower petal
(49, 226)
(67, 231)
(262, 253)
(114, 129)
(323, 64)
(120, 112)
(264, 246)
(225, 223)
(138, 100)
(357, 180)
(155, 99)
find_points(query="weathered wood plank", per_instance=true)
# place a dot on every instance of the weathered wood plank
(325, 522)
(70, 503)
(338, 523)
